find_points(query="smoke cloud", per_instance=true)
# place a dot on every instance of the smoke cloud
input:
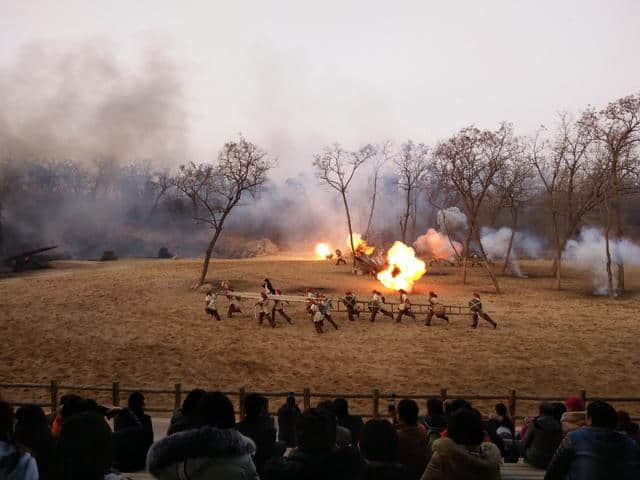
(436, 245)
(451, 219)
(496, 244)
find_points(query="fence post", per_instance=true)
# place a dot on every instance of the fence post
(376, 403)
(241, 395)
(178, 396)
(512, 404)
(115, 394)
(54, 396)
(306, 398)
(443, 394)
(583, 396)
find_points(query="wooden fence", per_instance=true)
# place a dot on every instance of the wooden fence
(510, 398)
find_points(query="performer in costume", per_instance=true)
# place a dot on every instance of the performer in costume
(475, 305)
(435, 309)
(405, 306)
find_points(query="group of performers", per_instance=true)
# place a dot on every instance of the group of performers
(319, 307)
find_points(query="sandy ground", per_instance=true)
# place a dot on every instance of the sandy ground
(139, 322)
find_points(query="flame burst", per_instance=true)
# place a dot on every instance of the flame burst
(361, 247)
(322, 250)
(404, 268)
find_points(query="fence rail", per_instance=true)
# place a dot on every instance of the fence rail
(510, 397)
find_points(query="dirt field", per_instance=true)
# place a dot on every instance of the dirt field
(139, 322)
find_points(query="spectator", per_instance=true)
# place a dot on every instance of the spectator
(66, 409)
(32, 433)
(133, 435)
(185, 418)
(462, 455)
(542, 438)
(215, 450)
(558, 410)
(501, 432)
(575, 416)
(351, 422)
(14, 465)
(316, 457)
(258, 426)
(288, 414)
(343, 435)
(597, 451)
(412, 440)
(626, 426)
(84, 450)
(378, 446)
(435, 422)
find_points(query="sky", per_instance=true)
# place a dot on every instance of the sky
(294, 76)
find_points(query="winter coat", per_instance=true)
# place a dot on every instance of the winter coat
(287, 417)
(435, 425)
(337, 464)
(203, 454)
(591, 453)
(384, 471)
(540, 443)
(354, 424)
(451, 461)
(132, 437)
(180, 422)
(16, 466)
(412, 449)
(263, 433)
(572, 421)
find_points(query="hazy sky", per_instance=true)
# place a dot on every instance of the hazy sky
(295, 75)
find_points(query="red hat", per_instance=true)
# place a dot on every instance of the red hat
(574, 404)
(432, 294)
(401, 290)
(476, 294)
(348, 292)
(278, 291)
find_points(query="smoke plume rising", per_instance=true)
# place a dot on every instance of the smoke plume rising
(496, 244)
(436, 245)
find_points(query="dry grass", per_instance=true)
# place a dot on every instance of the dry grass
(138, 321)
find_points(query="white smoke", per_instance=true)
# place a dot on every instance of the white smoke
(589, 253)
(451, 219)
(436, 245)
(496, 243)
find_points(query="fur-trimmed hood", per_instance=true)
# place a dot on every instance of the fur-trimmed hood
(206, 442)
(451, 461)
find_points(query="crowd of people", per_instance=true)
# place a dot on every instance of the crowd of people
(204, 441)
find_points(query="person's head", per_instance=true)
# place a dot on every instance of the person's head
(558, 409)
(545, 409)
(434, 407)
(70, 404)
(6, 422)
(254, 405)
(601, 414)
(266, 280)
(136, 402)
(454, 405)
(401, 291)
(624, 420)
(291, 400)
(278, 291)
(190, 403)
(31, 428)
(215, 409)
(348, 292)
(501, 409)
(84, 449)
(316, 431)
(574, 404)
(465, 427)
(432, 294)
(209, 292)
(327, 405)
(378, 441)
(408, 412)
(341, 407)
(476, 295)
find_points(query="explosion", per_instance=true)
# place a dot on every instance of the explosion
(361, 247)
(403, 269)
(322, 250)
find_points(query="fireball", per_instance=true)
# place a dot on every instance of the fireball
(360, 246)
(403, 270)
(322, 250)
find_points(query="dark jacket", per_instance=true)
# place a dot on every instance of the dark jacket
(132, 437)
(180, 422)
(435, 425)
(591, 453)
(354, 423)
(287, 417)
(540, 443)
(412, 449)
(339, 464)
(203, 454)
(263, 434)
(384, 471)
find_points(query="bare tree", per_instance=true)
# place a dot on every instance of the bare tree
(382, 156)
(191, 180)
(160, 184)
(241, 169)
(336, 167)
(411, 165)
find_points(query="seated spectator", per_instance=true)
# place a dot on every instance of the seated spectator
(84, 449)
(597, 451)
(133, 435)
(214, 450)
(435, 422)
(67, 403)
(316, 457)
(378, 446)
(258, 426)
(559, 408)
(185, 418)
(343, 435)
(626, 426)
(288, 414)
(32, 434)
(542, 438)
(14, 464)
(353, 423)
(462, 455)
(501, 432)
(575, 416)
(412, 440)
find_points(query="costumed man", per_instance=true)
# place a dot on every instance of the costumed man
(405, 306)
(475, 305)
(316, 315)
(264, 310)
(310, 296)
(234, 302)
(375, 306)
(211, 302)
(278, 306)
(339, 259)
(351, 304)
(435, 309)
(268, 288)
(324, 304)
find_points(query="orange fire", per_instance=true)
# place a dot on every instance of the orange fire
(360, 246)
(404, 268)
(322, 250)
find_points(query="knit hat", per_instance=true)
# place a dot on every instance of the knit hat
(574, 404)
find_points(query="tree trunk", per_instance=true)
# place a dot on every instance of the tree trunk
(207, 256)
(465, 253)
(346, 209)
(404, 222)
(618, 217)
(446, 232)
(373, 204)
(514, 224)
(485, 263)
(559, 248)
(607, 230)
